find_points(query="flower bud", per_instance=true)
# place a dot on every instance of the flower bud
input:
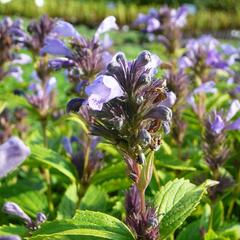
(139, 100)
(161, 112)
(13, 209)
(144, 58)
(145, 137)
(41, 218)
(74, 105)
(118, 123)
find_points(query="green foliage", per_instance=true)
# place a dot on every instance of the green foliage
(94, 225)
(175, 202)
(41, 156)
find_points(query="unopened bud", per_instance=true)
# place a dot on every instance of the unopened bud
(145, 137)
(13, 209)
(162, 112)
(141, 158)
(41, 218)
(74, 105)
(144, 57)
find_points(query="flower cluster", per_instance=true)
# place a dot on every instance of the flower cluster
(164, 25)
(11, 33)
(82, 57)
(126, 104)
(203, 57)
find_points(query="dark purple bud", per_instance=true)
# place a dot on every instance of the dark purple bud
(144, 58)
(74, 104)
(41, 218)
(162, 112)
(13, 209)
(145, 137)
(10, 237)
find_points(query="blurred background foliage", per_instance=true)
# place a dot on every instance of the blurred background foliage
(220, 17)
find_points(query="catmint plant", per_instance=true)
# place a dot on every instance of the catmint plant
(82, 58)
(216, 146)
(164, 25)
(125, 105)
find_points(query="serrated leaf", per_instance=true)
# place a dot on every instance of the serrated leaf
(94, 225)
(68, 204)
(95, 199)
(43, 156)
(175, 202)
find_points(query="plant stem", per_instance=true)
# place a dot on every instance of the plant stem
(142, 198)
(46, 172)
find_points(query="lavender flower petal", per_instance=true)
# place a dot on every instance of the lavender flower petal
(56, 47)
(234, 125)
(65, 29)
(109, 23)
(234, 108)
(102, 90)
(10, 237)
(50, 85)
(12, 153)
(207, 87)
(218, 124)
(153, 24)
(16, 72)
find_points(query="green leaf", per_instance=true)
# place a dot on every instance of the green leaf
(211, 235)
(232, 231)
(218, 215)
(68, 204)
(176, 201)
(191, 231)
(95, 199)
(43, 156)
(94, 225)
(13, 230)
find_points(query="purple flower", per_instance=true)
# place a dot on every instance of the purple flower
(109, 23)
(56, 47)
(207, 87)
(59, 63)
(65, 29)
(221, 123)
(10, 237)
(12, 153)
(179, 16)
(218, 124)
(153, 24)
(22, 59)
(102, 90)
(12, 208)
